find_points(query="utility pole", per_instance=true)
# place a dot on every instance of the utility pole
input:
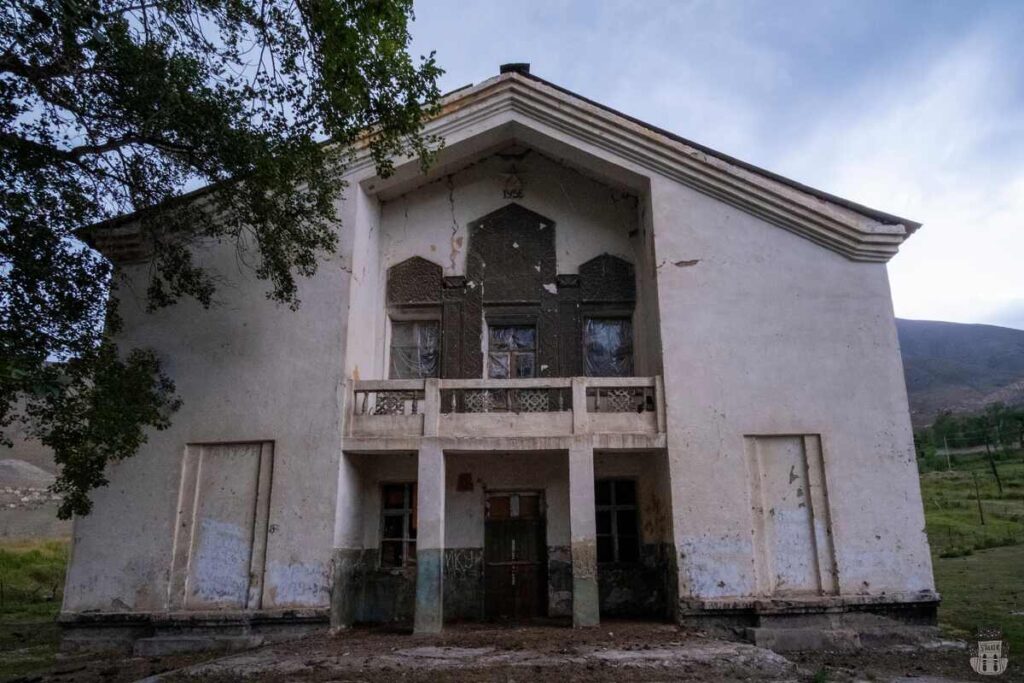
(945, 447)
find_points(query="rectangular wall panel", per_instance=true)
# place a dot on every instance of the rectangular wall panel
(789, 500)
(220, 541)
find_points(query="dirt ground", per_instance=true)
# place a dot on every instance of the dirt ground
(618, 651)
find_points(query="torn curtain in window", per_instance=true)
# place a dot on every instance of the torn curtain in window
(415, 349)
(608, 347)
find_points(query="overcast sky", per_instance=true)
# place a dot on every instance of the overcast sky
(916, 108)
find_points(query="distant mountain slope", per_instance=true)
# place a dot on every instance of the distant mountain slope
(960, 367)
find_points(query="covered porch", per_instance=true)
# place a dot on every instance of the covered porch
(534, 527)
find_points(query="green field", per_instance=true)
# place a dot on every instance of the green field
(951, 504)
(979, 568)
(31, 585)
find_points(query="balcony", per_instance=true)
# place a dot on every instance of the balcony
(482, 408)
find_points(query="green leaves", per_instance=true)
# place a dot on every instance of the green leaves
(112, 106)
(99, 416)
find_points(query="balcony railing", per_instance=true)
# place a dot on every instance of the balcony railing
(516, 407)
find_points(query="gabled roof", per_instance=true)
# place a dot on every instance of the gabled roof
(517, 97)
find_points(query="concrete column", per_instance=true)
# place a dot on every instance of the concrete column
(430, 538)
(431, 406)
(580, 417)
(583, 534)
(348, 547)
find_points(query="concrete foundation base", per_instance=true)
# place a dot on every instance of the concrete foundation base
(157, 634)
(797, 639)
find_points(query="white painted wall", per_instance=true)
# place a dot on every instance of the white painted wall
(770, 334)
(650, 470)
(431, 221)
(247, 369)
(767, 333)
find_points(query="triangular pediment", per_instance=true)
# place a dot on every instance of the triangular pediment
(522, 109)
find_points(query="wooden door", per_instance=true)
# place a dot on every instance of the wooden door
(515, 553)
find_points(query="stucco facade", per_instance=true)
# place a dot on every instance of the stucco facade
(762, 435)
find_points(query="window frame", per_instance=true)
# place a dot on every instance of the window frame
(512, 322)
(613, 314)
(414, 318)
(613, 508)
(409, 523)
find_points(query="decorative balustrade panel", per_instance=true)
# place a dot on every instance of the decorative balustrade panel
(507, 407)
(389, 402)
(621, 399)
(512, 400)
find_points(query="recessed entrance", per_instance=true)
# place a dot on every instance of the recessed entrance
(515, 555)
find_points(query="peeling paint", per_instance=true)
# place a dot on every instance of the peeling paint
(298, 585)
(220, 567)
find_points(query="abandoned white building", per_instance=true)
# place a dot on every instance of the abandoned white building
(580, 368)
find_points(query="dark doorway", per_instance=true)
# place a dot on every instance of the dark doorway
(515, 556)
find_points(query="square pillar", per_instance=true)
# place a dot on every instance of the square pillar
(583, 534)
(429, 538)
(347, 558)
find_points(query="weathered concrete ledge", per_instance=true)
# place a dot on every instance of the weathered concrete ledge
(193, 631)
(821, 612)
(482, 444)
(803, 605)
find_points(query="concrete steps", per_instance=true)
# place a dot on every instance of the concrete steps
(159, 646)
(836, 632)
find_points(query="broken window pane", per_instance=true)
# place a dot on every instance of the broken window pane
(415, 349)
(608, 347)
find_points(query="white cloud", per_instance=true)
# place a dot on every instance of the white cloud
(934, 144)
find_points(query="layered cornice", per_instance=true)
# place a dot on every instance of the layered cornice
(858, 232)
(516, 99)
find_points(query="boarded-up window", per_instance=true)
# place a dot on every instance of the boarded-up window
(398, 525)
(608, 347)
(415, 349)
(618, 528)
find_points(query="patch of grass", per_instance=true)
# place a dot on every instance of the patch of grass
(985, 589)
(31, 588)
(951, 505)
(978, 567)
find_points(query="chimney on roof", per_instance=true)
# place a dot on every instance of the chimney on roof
(515, 67)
